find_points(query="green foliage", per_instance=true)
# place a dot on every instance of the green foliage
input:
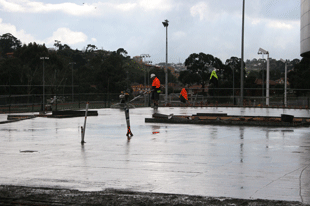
(8, 43)
(233, 71)
(93, 70)
(100, 71)
(187, 77)
(199, 67)
(299, 78)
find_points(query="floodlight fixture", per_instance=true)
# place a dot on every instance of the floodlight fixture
(262, 51)
(166, 23)
(145, 55)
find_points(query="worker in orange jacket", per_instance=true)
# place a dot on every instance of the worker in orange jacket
(183, 95)
(155, 90)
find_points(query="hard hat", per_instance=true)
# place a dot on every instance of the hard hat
(153, 75)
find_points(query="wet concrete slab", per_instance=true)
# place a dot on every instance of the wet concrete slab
(207, 160)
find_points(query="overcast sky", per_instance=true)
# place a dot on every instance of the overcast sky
(209, 26)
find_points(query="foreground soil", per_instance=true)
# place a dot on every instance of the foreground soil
(17, 195)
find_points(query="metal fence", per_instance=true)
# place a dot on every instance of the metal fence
(219, 97)
(248, 101)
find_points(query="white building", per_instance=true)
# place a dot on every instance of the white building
(305, 28)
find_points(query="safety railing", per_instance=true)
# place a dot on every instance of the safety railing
(218, 97)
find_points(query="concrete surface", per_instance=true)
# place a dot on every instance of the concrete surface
(228, 161)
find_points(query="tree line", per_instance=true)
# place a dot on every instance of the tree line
(99, 71)
(199, 68)
(92, 70)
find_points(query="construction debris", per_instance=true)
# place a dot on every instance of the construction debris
(224, 119)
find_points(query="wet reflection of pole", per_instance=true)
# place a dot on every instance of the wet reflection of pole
(242, 111)
(214, 133)
(241, 143)
(84, 160)
(127, 151)
(56, 127)
(241, 169)
(267, 139)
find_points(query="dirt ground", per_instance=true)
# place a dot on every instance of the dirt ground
(18, 195)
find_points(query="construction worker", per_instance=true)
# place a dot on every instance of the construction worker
(214, 81)
(183, 95)
(214, 78)
(124, 97)
(155, 90)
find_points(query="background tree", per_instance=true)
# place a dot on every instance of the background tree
(90, 48)
(299, 77)
(233, 69)
(200, 66)
(8, 43)
(188, 78)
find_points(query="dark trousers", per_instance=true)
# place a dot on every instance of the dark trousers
(182, 99)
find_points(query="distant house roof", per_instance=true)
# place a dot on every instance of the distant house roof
(197, 88)
(10, 54)
(271, 82)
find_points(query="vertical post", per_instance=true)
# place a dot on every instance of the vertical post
(72, 85)
(129, 133)
(32, 104)
(166, 23)
(108, 93)
(285, 86)
(72, 63)
(234, 86)
(242, 49)
(56, 98)
(79, 98)
(267, 81)
(144, 84)
(105, 100)
(43, 108)
(166, 71)
(10, 99)
(43, 89)
(263, 78)
(83, 129)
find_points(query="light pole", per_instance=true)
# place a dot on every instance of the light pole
(144, 68)
(285, 82)
(43, 109)
(262, 51)
(72, 63)
(263, 74)
(166, 23)
(233, 85)
(148, 75)
(144, 56)
(242, 52)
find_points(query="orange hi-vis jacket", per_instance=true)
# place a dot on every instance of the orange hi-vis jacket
(184, 93)
(156, 83)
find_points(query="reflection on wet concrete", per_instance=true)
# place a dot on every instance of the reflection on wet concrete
(241, 143)
(155, 129)
(231, 161)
